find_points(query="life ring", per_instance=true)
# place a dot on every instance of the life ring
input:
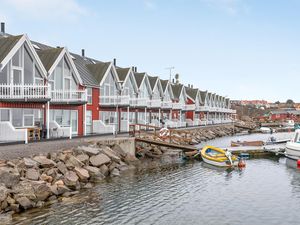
(164, 133)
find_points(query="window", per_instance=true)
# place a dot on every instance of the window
(66, 118)
(16, 60)
(4, 76)
(4, 115)
(28, 68)
(89, 95)
(17, 117)
(88, 121)
(28, 117)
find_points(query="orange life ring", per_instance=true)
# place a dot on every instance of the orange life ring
(164, 133)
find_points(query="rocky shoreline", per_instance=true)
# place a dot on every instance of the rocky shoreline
(33, 182)
(36, 181)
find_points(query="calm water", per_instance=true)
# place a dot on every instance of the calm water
(267, 191)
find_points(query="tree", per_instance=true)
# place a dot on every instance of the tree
(289, 102)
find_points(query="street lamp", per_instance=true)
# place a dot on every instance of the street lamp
(117, 106)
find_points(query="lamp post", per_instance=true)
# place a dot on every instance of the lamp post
(119, 92)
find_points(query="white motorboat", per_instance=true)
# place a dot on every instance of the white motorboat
(289, 124)
(292, 148)
(265, 130)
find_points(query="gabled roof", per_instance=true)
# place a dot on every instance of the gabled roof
(85, 74)
(49, 56)
(139, 77)
(203, 96)
(122, 73)
(164, 84)
(7, 44)
(152, 81)
(99, 70)
(177, 89)
(192, 92)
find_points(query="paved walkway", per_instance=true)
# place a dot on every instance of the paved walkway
(25, 150)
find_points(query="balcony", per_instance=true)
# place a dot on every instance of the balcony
(176, 105)
(138, 102)
(24, 92)
(114, 100)
(68, 96)
(202, 108)
(166, 105)
(154, 103)
(189, 107)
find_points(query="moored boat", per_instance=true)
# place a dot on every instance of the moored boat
(246, 143)
(292, 148)
(218, 157)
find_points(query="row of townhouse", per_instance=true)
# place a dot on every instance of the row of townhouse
(49, 92)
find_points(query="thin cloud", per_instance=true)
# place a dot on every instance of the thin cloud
(47, 9)
(149, 4)
(231, 7)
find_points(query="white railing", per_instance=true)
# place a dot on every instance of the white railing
(9, 133)
(138, 102)
(204, 108)
(177, 105)
(101, 128)
(23, 91)
(154, 103)
(68, 96)
(166, 105)
(189, 107)
(114, 100)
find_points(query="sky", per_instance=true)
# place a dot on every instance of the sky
(242, 49)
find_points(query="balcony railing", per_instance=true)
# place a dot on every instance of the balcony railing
(189, 107)
(23, 91)
(154, 103)
(114, 100)
(203, 108)
(177, 105)
(138, 102)
(68, 96)
(166, 105)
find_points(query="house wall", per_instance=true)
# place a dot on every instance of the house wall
(94, 107)
(189, 114)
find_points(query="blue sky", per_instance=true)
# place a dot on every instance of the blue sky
(243, 49)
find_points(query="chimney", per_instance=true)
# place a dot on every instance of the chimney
(135, 69)
(173, 81)
(115, 62)
(2, 27)
(192, 86)
(82, 53)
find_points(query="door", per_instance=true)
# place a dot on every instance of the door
(74, 121)
(88, 121)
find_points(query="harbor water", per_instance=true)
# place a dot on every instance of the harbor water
(267, 191)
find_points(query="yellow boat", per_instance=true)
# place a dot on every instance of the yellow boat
(218, 157)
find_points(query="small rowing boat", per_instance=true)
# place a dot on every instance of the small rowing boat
(246, 143)
(218, 157)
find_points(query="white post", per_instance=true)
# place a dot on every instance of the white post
(159, 117)
(128, 118)
(145, 116)
(26, 136)
(70, 137)
(48, 119)
(84, 119)
(180, 114)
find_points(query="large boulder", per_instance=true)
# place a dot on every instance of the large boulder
(3, 192)
(32, 174)
(83, 158)
(71, 179)
(95, 173)
(25, 203)
(24, 189)
(104, 170)
(29, 163)
(73, 162)
(9, 176)
(100, 159)
(44, 162)
(90, 151)
(115, 172)
(119, 150)
(111, 154)
(62, 167)
(83, 174)
(41, 190)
